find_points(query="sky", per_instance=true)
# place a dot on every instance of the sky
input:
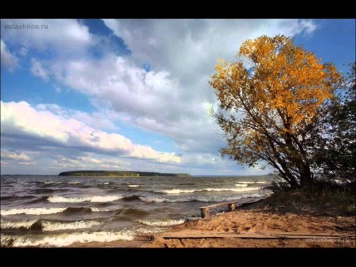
(131, 94)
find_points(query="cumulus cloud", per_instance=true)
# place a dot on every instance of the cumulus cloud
(20, 156)
(9, 60)
(60, 36)
(151, 100)
(91, 161)
(190, 47)
(15, 158)
(173, 98)
(50, 129)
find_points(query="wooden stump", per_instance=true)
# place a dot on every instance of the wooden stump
(204, 212)
(232, 206)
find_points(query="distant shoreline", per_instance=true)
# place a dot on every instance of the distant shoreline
(120, 174)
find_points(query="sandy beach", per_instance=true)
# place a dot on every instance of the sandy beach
(253, 221)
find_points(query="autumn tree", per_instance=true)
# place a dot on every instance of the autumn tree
(268, 100)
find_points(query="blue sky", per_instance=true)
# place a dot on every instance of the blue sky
(130, 94)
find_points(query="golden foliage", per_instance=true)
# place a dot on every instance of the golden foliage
(272, 94)
(285, 78)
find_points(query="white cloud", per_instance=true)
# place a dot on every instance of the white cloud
(308, 26)
(18, 156)
(9, 60)
(151, 100)
(52, 129)
(61, 36)
(190, 47)
(97, 120)
(172, 99)
(38, 70)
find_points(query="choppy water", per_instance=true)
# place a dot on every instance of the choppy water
(56, 211)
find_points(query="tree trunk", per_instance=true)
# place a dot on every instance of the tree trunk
(306, 179)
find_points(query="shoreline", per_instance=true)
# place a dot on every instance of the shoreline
(253, 220)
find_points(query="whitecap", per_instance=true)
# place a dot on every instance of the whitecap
(56, 226)
(65, 239)
(58, 199)
(32, 211)
(163, 222)
(17, 224)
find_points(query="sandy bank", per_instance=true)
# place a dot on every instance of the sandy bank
(254, 222)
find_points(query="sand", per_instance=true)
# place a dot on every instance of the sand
(263, 222)
(252, 222)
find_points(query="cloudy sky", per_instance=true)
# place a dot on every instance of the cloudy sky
(130, 94)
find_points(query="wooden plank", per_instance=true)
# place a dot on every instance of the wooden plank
(232, 202)
(312, 234)
(216, 235)
(232, 207)
(203, 234)
(220, 204)
(204, 211)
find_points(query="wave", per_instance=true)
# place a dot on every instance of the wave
(57, 199)
(32, 211)
(26, 224)
(86, 210)
(133, 185)
(100, 210)
(37, 200)
(49, 182)
(56, 226)
(164, 222)
(151, 230)
(241, 185)
(131, 198)
(48, 226)
(104, 183)
(135, 212)
(197, 198)
(43, 191)
(246, 182)
(262, 182)
(61, 240)
(2, 198)
(71, 210)
(179, 191)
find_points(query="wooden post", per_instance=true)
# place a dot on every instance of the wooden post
(204, 212)
(232, 206)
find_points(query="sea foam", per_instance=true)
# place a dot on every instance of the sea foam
(56, 226)
(57, 199)
(241, 185)
(133, 185)
(182, 191)
(163, 222)
(196, 198)
(17, 224)
(61, 240)
(32, 211)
